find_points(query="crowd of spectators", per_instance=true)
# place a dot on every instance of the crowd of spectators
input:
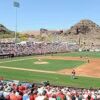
(29, 48)
(14, 90)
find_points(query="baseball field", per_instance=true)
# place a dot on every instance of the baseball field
(56, 69)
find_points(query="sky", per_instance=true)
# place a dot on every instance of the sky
(50, 14)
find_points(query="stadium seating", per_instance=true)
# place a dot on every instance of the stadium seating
(16, 90)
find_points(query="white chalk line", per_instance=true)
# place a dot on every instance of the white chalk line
(16, 60)
(26, 69)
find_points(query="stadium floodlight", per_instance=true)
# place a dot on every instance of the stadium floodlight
(16, 4)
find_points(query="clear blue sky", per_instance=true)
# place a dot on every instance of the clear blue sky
(51, 14)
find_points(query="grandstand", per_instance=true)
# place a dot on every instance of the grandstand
(29, 48)
(16, 90)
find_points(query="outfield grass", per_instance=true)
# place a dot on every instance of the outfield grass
(72, 54)
(53, 65)
(78, 54)
(54, 79)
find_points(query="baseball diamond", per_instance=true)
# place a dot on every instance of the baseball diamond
(57, 64)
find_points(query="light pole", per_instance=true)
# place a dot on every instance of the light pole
(16, 26)
(16, 5)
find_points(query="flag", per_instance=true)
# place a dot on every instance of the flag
(16, 4)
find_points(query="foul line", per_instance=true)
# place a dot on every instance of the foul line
(42, 71)
(16, 60)
(25, 69)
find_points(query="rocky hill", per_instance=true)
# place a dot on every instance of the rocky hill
(85, 33)
(84, 27)
(4, 30)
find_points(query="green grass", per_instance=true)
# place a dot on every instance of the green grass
(72, 54)
(77, 54)
(53, 65)
(54, 79)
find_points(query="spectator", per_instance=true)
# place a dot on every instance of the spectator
(9, 92)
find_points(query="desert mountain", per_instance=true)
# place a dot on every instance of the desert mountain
(84, 27)
(4, 30)
(85, 32)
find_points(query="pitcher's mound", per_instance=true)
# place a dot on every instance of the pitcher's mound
(40, 62)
